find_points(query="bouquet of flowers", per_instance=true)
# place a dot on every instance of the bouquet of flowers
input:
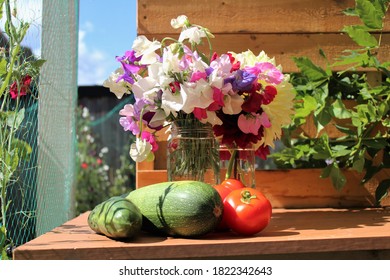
(245, 97)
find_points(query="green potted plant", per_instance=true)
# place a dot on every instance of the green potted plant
(351, 94)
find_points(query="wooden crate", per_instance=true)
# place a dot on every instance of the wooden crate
(283, 29)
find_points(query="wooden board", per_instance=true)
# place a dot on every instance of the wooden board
(290, 234)
(283, 47)
(248, 16)
(300, 188)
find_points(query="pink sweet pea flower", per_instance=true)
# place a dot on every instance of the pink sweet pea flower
(196, 76)
(251, 123)
(267, 72)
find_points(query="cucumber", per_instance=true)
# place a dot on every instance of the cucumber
(180, 208)
(117, 218)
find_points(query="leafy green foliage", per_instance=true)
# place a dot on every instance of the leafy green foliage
(96, 180)
(17, 72)
(348, 100)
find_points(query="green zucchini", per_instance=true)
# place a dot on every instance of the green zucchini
(180, 208)
(116, 217)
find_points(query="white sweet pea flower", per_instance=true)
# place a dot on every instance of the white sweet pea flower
(232, 104)
(146, 48)
(158, 118)
(172, 103)
(140, 150)
(200, 96)
(118, 88)
(146, 88)
(194, 34)
(157, 73)
(179, 22)
(171, 61)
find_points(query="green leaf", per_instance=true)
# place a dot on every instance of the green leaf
(358, 164)
(386, 122)
(310, 70)
(309, 105)
(371, 170)
(38, 63)
(361, 36)
(326, 171)
(340, 151)
(339, 111)
(382, 190)
(383, 108)
(337, 177)
(350, 12)
(1, 8)
(14, 119)
(3, 66)
(24, 149)
(345, 130)
(369, 14)
(322, 118)
(354, 58)
(378, 144)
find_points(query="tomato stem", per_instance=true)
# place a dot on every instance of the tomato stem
(246, 197)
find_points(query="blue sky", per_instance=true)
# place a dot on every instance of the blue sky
(106, 29)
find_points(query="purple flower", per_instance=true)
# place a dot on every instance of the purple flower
(129, 124)
(241, 80)
(130, 66)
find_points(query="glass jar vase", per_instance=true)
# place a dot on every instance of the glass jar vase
(192, 152)
(238, 163)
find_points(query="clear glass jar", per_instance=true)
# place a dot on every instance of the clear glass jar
(238, 163)
(192, 152)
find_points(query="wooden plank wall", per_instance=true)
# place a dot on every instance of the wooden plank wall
(283, 29)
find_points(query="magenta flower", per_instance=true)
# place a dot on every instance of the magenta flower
(200, 113)
(196, 76)
(267, 72)
(149, 137)
(24, 87)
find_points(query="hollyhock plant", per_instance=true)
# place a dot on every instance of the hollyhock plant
(244, 97)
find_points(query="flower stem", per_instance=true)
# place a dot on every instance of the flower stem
(232, 164)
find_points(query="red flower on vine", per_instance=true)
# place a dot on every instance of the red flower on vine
(24, 87)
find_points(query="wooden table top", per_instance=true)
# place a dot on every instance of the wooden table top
(289, 232)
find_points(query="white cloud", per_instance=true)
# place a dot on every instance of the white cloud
(92, 63)
(29, 11)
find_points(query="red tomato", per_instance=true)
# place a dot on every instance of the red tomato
(225, 188)
(247, 211)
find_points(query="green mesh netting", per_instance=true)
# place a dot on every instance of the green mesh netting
(41, 197)
(56, 114)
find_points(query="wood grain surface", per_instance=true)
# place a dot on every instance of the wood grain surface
(290, 232)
